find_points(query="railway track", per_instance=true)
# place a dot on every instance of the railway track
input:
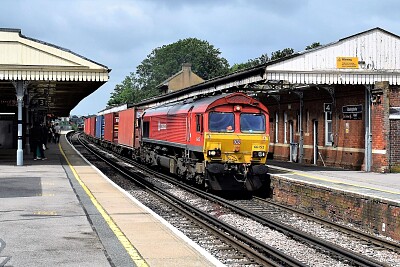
(214, 210)
(268, 208)
(224, 240)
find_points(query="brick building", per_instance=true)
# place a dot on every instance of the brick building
(182, 79)
(338, 104)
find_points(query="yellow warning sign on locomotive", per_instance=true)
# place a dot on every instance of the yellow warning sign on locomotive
(347, 62)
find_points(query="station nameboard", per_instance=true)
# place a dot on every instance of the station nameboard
(352, 109)
(347, 62)
(352, 116)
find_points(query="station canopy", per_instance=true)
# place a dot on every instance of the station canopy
(364, 58)
(56, 79)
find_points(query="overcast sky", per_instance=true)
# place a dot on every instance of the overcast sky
(121, 33)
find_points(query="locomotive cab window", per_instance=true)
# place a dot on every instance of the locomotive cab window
(199, 123)
(252, 123)
(221, 122)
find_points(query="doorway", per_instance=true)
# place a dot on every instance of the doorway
(6, 134)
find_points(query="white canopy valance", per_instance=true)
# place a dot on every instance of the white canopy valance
(294, 77)
(41, 75)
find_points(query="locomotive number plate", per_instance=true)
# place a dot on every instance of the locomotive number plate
(236, 141)
(258, 147)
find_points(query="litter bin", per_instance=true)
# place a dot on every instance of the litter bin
(293, 151)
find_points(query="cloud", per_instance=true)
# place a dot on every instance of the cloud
(121, 33)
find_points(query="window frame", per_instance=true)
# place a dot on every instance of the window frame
(285, 127)
(221, 112)
(328, 124)
(276, 127)
(252, 113)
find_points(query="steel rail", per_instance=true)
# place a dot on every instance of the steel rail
(356, 258)
(251, 246)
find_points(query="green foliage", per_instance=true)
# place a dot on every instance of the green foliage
(264, 58)
(250, 63)
(313, 45)
(281, 54)
(165, 61)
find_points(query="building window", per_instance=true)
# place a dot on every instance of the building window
(328, 129)
(276, 126)
(285, 127)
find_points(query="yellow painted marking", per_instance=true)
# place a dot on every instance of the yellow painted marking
(133, 253)
(345, 183)
(47, 213)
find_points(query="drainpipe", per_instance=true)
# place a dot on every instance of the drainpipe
(368, 134)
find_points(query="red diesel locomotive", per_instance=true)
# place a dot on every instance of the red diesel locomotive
(218, 142)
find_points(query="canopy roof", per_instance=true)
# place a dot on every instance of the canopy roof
(364, 58)
(58, 79)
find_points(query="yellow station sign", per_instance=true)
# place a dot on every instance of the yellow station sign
(347, 62)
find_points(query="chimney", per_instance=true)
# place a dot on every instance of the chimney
(187, 67)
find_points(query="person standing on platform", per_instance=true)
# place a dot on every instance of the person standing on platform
(44, 135)
(50, 133)
(37, 142)
(57, 132)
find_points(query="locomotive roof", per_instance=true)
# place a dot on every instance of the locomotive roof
(201, 105)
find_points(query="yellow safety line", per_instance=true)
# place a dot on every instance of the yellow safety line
(345, 183)
(133, 253)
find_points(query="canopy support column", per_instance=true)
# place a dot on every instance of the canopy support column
(20, 87)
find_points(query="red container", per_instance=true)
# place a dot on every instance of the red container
(109, 127)
(86, 126)
(125, 133)
(92, 126)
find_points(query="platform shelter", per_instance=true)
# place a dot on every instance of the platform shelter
(39, 80)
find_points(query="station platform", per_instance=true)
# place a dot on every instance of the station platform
(385, 186)
(365, 200)
(63, 212)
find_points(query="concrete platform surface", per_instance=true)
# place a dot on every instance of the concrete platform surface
(62, 211)
(42, 223)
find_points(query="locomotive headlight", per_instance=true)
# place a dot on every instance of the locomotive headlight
(259, 154)
(214, 153)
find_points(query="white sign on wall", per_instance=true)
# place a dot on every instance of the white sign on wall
(394, 113)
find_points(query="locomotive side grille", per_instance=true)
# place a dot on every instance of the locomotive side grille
(238, 99)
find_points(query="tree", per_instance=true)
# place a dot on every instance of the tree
(250, 63)
(281, 54)
(165, 61)
(129, 91)
(313, 45)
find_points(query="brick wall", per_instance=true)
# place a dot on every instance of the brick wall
(348, 148)
(394, 132)
(370, 214)
(380, 127)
